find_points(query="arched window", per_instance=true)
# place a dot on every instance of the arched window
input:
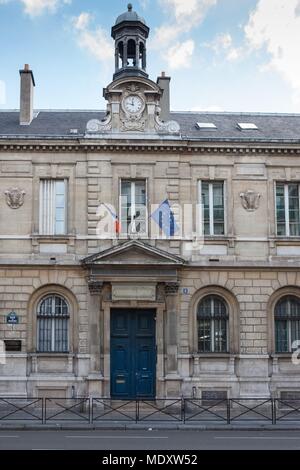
(52, 324)
(131, 53)
(287, 324)
(212, 321)
(120, 55)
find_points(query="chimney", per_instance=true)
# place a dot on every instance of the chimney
(164, 83)
(26, 96)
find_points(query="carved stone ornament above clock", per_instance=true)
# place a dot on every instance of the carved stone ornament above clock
(133, 107)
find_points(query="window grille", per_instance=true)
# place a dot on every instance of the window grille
(52, 324)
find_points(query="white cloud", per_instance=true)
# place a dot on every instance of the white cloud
(184, 15)
(222, 41)
(276, 27)
(208, 109)
(180, 55)
(187, 11)
(2, 92)
(223, 44)
(38, 7)
(82, 21)
(144, 3)
(95, 41)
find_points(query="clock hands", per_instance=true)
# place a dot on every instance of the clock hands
(133, 104)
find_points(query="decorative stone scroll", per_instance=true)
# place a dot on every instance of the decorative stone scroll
(169, 127)
(94, 126)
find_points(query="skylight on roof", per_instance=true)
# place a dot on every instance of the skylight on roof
(206, 125)
(247, 126)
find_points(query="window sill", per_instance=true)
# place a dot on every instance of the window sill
(53, 238)
(286, 355)
(213, 355)
(283, 240)
(224, 238)
(52, 353)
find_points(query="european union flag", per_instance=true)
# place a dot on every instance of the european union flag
(165, 219)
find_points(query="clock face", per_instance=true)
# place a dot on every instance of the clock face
(133, 104)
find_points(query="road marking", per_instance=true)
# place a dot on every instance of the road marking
(257, 438)
(8, 437)
(116, 437)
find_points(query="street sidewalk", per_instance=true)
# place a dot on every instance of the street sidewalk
(149, 426)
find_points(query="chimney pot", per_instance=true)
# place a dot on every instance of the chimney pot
(26, 67)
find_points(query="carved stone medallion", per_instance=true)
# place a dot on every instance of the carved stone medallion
(14, 197)
(250, 200)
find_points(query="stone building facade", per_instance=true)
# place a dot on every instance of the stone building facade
(98, 296)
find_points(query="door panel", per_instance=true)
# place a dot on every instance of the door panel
(144, 367)
(133, 353)
(121, 366)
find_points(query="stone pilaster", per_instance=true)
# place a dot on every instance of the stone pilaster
(171, 292)
(94, 304)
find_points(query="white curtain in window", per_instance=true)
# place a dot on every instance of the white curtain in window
(53, 207)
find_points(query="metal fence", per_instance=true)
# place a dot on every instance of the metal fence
(161, 410)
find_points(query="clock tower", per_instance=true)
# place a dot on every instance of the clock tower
(133, 100)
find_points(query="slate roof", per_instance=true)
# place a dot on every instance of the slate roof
(57, 124)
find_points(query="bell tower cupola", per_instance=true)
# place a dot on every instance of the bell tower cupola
(130, 34)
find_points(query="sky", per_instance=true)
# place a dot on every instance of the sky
(222, 55)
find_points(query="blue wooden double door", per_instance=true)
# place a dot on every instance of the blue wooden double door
(133, 354)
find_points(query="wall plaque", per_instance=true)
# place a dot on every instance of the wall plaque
(133, 292)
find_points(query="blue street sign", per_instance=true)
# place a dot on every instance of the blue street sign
(12, 318)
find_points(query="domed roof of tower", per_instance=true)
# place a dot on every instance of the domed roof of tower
(130, 15)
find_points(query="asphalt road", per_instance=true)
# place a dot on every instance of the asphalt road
(149, 440)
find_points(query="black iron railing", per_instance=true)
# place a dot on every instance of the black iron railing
(16, 409)
(171, 410)
(105, 409)
(206, 410)
(286, 410)
(67, 409)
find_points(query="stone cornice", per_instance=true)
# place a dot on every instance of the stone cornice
(182, 147)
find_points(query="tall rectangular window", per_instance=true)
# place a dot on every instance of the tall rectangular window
(53, 206)
(212, 203)
(287, 324)
(288, 209)
(133, 207)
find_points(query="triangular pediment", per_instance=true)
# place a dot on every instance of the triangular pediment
(133, 253)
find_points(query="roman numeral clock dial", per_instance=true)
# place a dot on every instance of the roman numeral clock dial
(133, 104)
